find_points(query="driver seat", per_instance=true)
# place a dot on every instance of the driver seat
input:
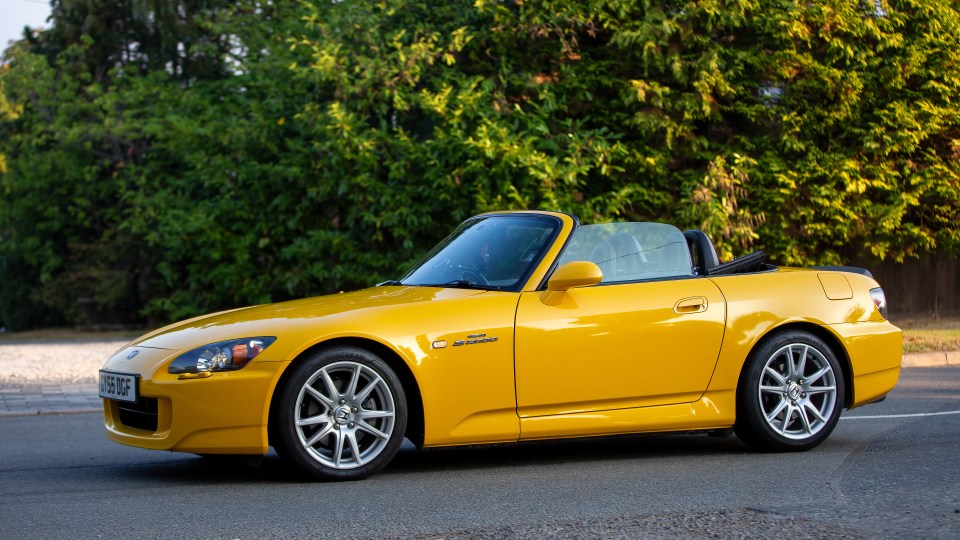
(702, 252)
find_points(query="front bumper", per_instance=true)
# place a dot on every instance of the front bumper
(225, 413)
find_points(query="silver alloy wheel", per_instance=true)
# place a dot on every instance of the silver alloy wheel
(798, 391)
(345, 415)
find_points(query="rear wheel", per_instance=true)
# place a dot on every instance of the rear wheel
(342, 414)
(791, 393)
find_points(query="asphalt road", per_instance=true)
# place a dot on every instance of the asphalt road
(884, 477)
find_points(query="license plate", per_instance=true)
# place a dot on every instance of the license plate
(119, 386)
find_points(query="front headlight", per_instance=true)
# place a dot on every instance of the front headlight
(880, 301)
(220, 356)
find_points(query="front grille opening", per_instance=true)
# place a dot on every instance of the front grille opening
(141, 414)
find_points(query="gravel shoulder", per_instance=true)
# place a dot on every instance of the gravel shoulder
(58, 363)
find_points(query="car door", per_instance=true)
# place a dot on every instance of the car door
(648, 335)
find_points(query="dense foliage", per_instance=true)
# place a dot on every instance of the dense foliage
(161, 159)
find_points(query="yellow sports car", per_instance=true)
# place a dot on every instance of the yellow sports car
(518, 326)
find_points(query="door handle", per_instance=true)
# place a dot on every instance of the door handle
(695, 304)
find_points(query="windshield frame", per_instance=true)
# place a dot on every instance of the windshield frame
(555, 221)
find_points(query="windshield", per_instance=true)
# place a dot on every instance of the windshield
(631, 251)
(496, 252)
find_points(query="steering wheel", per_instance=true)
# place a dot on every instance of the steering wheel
(469, 275)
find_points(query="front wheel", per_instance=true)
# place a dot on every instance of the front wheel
(791, 393)
(342, 414)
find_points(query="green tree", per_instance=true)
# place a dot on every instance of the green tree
(166, 159)
(181, 37)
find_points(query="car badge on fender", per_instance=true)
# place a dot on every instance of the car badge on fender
(132, 354)
(473, 339)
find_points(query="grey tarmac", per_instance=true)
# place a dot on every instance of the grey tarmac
(890, 470)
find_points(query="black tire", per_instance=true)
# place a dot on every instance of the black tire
(784, 410)
(349, 436)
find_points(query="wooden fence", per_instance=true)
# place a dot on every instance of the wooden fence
(926, 286)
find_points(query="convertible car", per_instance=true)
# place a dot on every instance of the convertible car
(518, 326)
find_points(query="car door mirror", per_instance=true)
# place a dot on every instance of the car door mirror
(575, 274)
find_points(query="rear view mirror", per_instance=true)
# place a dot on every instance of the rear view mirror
(575, 274)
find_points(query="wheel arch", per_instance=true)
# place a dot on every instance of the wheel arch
(832, 341)
(415, 421)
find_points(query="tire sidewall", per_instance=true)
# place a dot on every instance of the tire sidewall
(291, 447)
(751, 424)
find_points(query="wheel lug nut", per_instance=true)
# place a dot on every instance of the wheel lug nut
(803, 395)
(793, 402)
(351, 424)
(342, 401)
(353, 409)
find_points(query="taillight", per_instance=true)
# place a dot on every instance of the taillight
(880, 301)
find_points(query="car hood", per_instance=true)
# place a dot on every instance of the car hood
(271, 319)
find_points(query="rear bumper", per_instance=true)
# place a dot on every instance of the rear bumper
(875, 350)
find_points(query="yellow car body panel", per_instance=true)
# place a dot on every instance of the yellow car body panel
(616, 346)
(397, 317)
(660, 355)
(870, 345)
(758, 304)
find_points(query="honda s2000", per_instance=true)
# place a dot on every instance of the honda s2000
(518, 326)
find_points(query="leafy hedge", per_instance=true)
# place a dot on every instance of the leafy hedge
(155, 165)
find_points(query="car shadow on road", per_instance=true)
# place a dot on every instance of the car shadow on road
(193, 469)
(270, 469)
(561, 452)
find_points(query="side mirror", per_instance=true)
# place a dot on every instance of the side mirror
(575, 274)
